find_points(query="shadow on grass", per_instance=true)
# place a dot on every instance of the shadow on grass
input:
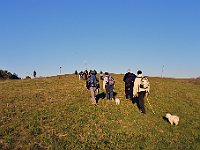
(165, 119)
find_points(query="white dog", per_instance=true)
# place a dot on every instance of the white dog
(117, 101)
(172, 119)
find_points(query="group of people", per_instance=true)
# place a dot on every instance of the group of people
(136, 87)
(92, 84)
(83, 75)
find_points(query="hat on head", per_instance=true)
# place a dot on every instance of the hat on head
(129, 70)
(139, 72)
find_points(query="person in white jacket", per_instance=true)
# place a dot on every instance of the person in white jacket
(140, 92)
(105, 80)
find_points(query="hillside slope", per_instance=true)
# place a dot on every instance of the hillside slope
(55, 113)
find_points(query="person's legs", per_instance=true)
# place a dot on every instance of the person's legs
(141, 101)
(92, 91)
(111, 91)
(131, 93)
(127, 91)
(126, 94)
(107, 92)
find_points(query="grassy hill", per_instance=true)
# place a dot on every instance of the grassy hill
(55, 113)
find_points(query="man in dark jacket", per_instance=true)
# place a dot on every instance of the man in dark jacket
(129, 79)
(92, 85)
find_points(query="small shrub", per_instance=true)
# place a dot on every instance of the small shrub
(28, 77)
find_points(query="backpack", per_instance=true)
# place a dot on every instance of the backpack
(130, 78)
(111, 81)
(144, 83)
(93, 81)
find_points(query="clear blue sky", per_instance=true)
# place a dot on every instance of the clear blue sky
(107, 35)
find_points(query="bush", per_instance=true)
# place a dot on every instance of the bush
(4, 74)
(28, 77)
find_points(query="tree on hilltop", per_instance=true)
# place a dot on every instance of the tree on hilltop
(4, 74)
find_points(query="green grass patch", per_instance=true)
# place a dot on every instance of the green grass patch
(56, 113)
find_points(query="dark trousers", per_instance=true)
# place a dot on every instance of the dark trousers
(129, 92)
(141, 96)
(109, 91)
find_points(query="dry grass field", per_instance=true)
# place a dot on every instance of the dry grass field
(55, 113)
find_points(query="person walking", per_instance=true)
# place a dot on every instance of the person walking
(108, 84)
(129, 79)
(91, 84)
(34, 74)
(101, 75)
(140, 90)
